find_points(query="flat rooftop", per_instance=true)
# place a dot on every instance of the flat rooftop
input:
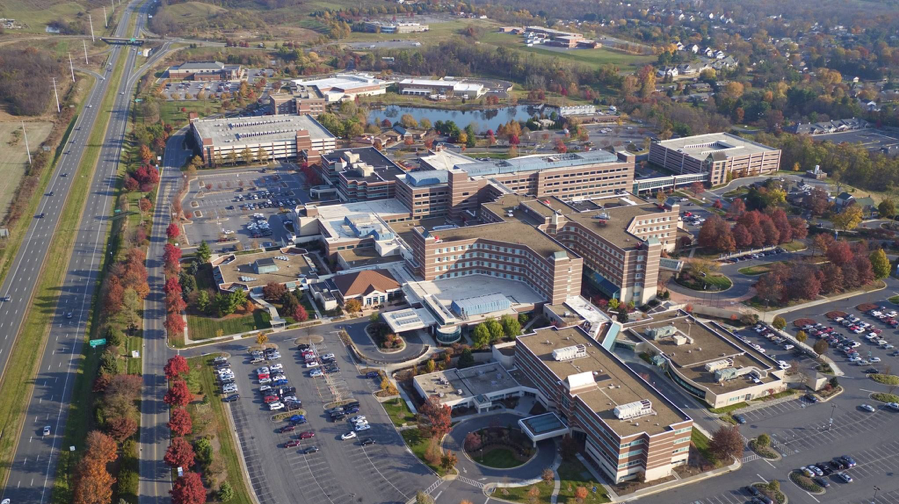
(537, 162)
(263, 129)
(405, 229)
(472, 382)
(708, 345)
(367, 256)
(444, 160)
(446, 290)
(343, 82)
(426, 178)
(332, 216)
(510, 231)
(239, 269)
(700, 146)
(619, 213)
(616, 384)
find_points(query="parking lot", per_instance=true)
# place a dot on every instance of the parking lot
(228, 206)
(214, 89)
(341, 471)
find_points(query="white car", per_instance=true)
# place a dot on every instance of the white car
(275, 406)
(265, 381)
(262, 370)
(277, 367)
(358, 418)
(264, 388)
(312, 364)
(316, 373)
(229, 388)
(362, 427)
(348, 435)
(874, 360)
(788, 347)
(783, 364)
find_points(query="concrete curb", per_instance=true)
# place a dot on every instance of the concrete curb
(680, 482)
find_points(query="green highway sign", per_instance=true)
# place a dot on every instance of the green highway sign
(97, 342)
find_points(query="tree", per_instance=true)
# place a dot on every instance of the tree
(176, 367)
(423, 498)
(763, 440)
(466, 359)
(174, 324)
(173, 231)
(533, 494)
(480, 337)
(472, 442)
(848, 218)
(887, 209)
(697, 188)
(737, 208)
(880, 264)
(171, 256)
(203, 448)
(716, 235)
(495, 328)
(179, 454)
(821, 346)
(273, 291)
(840, 253)
(226, 492)
(188, 489)
(727, 443)
(430, 366)
(434, 419)
(121, 428)
(742, 236)
(580, 493)
(353, 306)
(511, 327)
(93, 483)
(448, 461)
(180, 422)
(178, 394)
(801, 336)
(300, 314)
(146, 155)
(261, 339)
(779, 322)
(203, 252)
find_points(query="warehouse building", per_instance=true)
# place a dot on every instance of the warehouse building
(345, 86)
(448, 88)
(720, 155)
(291, 137)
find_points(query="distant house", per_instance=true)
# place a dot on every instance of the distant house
(835, 126)
(844, 199)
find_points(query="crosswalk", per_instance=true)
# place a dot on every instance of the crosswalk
(469, 481)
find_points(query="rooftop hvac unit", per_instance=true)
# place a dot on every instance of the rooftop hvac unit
(680, 340)
(570, 352)
(719, 364)
(633, 410)
(660, 332)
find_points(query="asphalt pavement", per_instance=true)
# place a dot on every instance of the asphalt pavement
(30, 477)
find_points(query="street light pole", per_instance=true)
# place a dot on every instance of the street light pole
(833, 408)
(874, 500)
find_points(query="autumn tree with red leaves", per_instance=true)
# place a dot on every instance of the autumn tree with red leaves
(176, 367)
(188, 489)
(174, 324)
(434, 418)
(178, 394)
(180, 422)
(173, 231)
(121, 428)
(179, 454)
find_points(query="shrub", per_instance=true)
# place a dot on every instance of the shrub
(128, 482)
(805, 482)
(885, 379)
(779, 322)
(763, 440)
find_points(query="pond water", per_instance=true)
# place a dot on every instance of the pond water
(482, 119)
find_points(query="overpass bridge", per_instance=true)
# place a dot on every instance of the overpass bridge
(126, 41)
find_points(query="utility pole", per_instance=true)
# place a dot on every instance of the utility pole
(71, 67)
(25, 134)
(84, 44)
(105, 18)
(91, 21)
(58, 110)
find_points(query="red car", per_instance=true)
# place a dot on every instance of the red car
(270, 399)
(263, 376)
(307, 435)
(292, 444)
(288, 428)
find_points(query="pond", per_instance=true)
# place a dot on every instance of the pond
(481, 119)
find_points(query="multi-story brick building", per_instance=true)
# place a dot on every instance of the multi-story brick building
(304, 100)
(361, 174)
(206, 71)
(627, 427)
(509, 246)
(718, 154)
(581, 175)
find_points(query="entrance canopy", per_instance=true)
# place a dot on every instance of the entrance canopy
(545, 426)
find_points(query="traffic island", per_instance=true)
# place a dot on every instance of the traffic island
(806, 483)
(499, 447)
(761, 446)
(772, 491)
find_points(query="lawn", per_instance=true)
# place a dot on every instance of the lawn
(419, 445)
(702, 445)
(573, 475)
(712, 282)
(170, 111)
(591, 57)
(200, 327)
(398, 411)
(15, 159)
(894, 299)
(755, 270)
(727, 409)
(794, 246)
(884, 397)
(500, 458)
(218, 425)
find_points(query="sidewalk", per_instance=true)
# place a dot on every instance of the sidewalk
(675, 484)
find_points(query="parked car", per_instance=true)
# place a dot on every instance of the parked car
(231, 398)
(845, 477)
(740, 419)
(367, 441)
(348, 435)
(822, 482)
(287, 428)
(307, 435)
(293, 443)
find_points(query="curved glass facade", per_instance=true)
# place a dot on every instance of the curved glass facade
(449, 334)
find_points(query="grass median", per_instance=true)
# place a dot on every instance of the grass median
(77, 423)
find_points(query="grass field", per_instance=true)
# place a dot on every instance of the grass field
(702, 443)
(170, 111)
(398, 411)
(755, 270)
(193, 11)
(500, 458)
(15, 160)
(419, 445)
(200, 328)
(437, 32)
(592, 57)
(213, 412)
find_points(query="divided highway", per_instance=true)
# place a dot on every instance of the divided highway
(31, 474)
